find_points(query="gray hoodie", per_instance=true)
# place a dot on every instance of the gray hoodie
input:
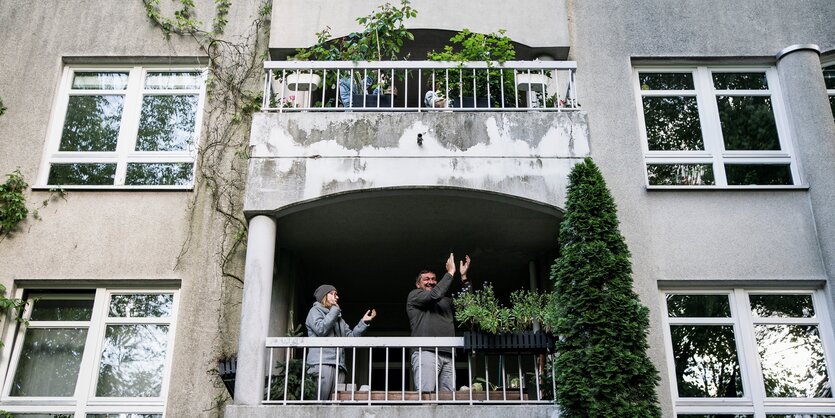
(324, 322)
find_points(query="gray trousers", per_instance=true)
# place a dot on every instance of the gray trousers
(426, 371)
(327, 380)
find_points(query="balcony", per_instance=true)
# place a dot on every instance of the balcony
(419, 86)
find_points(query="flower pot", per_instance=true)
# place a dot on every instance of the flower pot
(520, 342)
(532, 82)
(370, 101)
(471, 102)
(303, 82)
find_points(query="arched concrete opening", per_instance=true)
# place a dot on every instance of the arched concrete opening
(370, 244)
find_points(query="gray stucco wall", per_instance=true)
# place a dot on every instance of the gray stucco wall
(111, 237)
(681, 236)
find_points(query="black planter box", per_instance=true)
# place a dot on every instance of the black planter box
(226, 369)
(471, 102)
(371, 101)
(523, 342)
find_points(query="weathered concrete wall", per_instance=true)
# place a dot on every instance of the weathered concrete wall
(303, 156)
(111, 237)
(536, 23)
(767, 236)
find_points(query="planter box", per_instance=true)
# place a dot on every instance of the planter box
(371, 101)
(471, 102)
(226, 369)
(524, 342)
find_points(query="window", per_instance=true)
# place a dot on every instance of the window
(714, 127)
(97, 353)
(749, 353)
(131, 127)
(829, 80)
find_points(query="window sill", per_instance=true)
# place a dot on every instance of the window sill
(115, 188)
(728, 188)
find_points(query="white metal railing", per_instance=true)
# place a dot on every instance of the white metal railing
(378, 371)
(419, 86)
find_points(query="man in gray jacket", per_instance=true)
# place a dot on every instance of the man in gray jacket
(430, 315)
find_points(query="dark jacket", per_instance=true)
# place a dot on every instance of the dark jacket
(430, 312)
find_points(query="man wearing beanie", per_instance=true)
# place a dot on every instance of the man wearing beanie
(325, 320)
(430, 315)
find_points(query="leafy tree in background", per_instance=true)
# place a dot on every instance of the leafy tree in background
(602, 369)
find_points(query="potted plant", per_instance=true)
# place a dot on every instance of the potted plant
(496, 328)
(382, 36)
(466, 88)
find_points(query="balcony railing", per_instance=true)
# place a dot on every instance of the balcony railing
(419, 86)
(378, 371)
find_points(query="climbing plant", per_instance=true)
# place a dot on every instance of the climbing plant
(2, 108)
(13, 208)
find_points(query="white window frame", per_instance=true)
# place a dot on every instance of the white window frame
(126, 144)
(830, 92)
(84, 401)
(714, 153)
(754, 400)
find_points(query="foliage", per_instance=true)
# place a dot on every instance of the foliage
(293, 372)
(468, 46)
(184, 21)
(601, 364)
(383, 34)
(2, 108)
(13, 208)
(7, 303)
(482, 310)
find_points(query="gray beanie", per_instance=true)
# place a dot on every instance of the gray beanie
(322, 290)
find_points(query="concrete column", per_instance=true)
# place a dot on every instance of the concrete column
(813, 132)
(255, 311)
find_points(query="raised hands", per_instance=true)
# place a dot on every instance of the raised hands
(369, 315)
(465, 265)
(450, 264)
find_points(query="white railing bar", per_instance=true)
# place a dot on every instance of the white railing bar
(470, 375)
(536, 364)
(387, 375)
(454, 380)
(420, 89)
(270, 376)
(437, 377)
(318, 65)
(267, 89)
(321, 354)
(420, 374)
(304, 371)
(521, 378)
(354, 373)
(403, 375)
(370, 363)
(486, 378)
(502, 360)
(376, 342)
(336, 375)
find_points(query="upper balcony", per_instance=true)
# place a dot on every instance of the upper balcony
(419, 86)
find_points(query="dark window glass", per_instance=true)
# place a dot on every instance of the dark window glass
(680, 174)
(829, 78)
(82, 173)
(673, 124)
(748, 123)
(761, 174)
(92, 123)
(62, 310)
(782, 306)
(740, 81)
(832, 105)
(698, 306)
(706, 362)
(166, 123)
(158, 174)
(666, 81)
(141, 306)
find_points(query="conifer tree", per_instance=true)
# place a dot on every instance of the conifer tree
(602, 369)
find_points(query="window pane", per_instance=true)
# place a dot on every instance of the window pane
(141, 306)
(62, 310)
(832, 104)
(782, 306)
(799, 416)
(157, 174)
(36, 415)
(166, 123)
(86, 174)
(49, 362)
(673, 124)
(92, 123)
(764, 174)
(100, 81)
(698, 306)
(680, 174)
(747, 123)
(124, 415)
(133, 361)
(792, 361)
(715, 416)
(706, 361)
(173, 81)
(666, 81)
(740, 81)
(829, 78)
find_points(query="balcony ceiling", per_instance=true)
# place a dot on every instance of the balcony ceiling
(371, 245)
